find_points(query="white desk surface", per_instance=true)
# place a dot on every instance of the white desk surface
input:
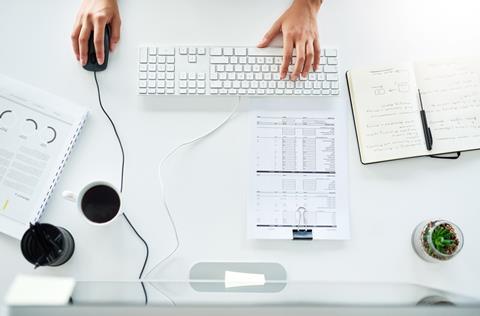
(207, 183)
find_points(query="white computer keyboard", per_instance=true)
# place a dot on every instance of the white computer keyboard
(230, 71)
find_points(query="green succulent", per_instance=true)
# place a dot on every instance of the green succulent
(444, 240)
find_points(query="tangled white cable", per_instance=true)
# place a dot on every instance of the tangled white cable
(162, 186)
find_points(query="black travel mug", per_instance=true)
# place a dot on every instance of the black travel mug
(47, 245)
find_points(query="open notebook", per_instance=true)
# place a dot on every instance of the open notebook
(37, 133)
(386, 108)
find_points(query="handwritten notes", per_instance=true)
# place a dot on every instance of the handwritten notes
(451, 96)
(387, 113)
(386, 108)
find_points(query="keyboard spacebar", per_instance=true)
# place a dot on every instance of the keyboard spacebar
(265, 51)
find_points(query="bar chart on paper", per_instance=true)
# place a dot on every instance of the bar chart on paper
(298, 176)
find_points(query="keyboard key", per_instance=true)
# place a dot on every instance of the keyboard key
(330, 53)
(332, 77)
(183, 50)
(228, 51)
(170, 67)
(170, 59)
(201, 76)
(152, 59)
(192, 58)
(142, 75)
(240, 51)
(143, 67)
(143, 55)
(219, 60)
(215, 51)
(328, 68)
(253, 51)
(192, 76)
(183, 76)
(166, 51)
(192, 50)
(201, 51)
(332, 60)
(215, 84)
(161, 67)
(161, 59)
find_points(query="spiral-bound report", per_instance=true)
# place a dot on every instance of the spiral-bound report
(37, 133)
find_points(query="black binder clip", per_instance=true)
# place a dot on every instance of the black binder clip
(302, 233)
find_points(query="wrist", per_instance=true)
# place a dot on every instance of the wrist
(313, 5)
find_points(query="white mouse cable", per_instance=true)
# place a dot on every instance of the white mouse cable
(162, 186)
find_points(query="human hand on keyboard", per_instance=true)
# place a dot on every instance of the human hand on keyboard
(299, 28)
(94, 15)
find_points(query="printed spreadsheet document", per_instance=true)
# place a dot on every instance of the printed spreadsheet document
(299, 177)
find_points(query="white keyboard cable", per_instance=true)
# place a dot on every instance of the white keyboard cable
(162, 185)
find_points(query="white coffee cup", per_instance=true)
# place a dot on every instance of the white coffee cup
(99, 202)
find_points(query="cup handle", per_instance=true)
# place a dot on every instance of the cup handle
(69, 196)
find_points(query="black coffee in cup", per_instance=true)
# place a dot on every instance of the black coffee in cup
(100, 204)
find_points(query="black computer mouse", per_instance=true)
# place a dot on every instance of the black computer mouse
(92, 64)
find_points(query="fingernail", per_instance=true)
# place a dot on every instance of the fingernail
(100, 61)
(293, 77)
(113, 46)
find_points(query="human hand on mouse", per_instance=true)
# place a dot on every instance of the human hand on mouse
(299, 28)
(94, 15)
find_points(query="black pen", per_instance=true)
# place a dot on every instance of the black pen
(426, 130)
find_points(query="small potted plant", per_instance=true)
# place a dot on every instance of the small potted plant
(437, 240)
